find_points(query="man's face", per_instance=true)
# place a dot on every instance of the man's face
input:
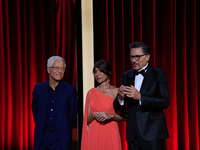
(56, 71)
(143, 60)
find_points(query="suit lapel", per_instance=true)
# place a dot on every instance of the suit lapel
(60, 94)
(45, 95)
(147, 79)
(131, 78)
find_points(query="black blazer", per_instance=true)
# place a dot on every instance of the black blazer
(147, 118)
(66, 112)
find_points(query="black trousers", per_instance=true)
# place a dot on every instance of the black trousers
(140, 144)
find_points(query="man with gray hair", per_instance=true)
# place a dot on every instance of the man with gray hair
(54, 106)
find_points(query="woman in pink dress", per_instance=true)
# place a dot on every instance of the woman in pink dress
(100, 127)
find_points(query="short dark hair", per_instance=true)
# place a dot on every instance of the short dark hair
(103, 66)
(145, 48)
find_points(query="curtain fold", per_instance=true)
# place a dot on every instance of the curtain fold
(30, 32)
(170, 29)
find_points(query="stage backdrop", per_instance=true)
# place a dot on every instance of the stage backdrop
(30, 32)
(171, 29)
(33, 30)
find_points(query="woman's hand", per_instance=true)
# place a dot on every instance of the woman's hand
(102, 116)
(95, 115)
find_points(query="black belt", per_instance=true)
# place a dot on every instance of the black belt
(50, 129)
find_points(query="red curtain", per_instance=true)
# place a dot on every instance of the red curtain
(170, 29)
(30, 32)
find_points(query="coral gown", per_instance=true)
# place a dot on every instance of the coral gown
(100, 136)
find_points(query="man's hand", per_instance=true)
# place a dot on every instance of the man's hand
(121, 93)
(132, 92)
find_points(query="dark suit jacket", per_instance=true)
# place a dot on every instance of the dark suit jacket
(65, 116)
(147, 118)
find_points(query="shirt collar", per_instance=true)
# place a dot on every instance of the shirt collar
(57, 87)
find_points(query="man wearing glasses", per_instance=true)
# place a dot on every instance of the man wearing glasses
(144, 89)
(54, 107)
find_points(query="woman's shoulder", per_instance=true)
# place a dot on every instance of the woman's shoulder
(114, 89)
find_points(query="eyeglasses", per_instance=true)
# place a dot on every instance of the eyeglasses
(137, 57)
(57, 68)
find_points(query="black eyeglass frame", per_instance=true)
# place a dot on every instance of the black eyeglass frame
(137, 57)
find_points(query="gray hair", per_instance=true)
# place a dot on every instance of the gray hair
(52, 59)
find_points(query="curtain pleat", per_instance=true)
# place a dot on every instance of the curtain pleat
(192, 76)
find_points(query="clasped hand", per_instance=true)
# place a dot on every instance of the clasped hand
(129, 91)
(102, 116)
